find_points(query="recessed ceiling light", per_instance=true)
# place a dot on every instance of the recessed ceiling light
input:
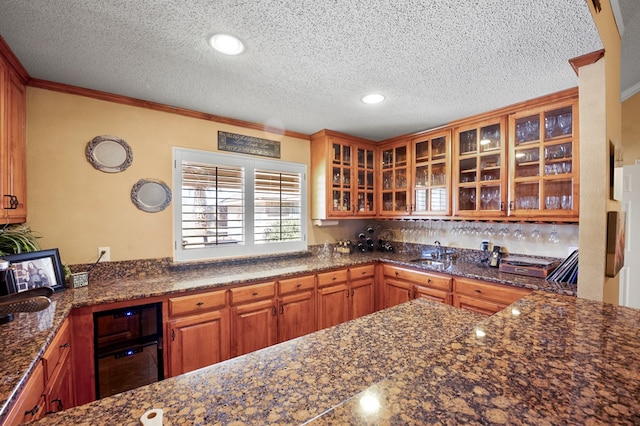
(374, 98)
(227, 44)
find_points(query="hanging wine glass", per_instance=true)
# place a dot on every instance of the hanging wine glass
(503, 232)
(535, 234)
(554, 237)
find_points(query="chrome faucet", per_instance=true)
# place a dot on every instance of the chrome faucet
(440, 251)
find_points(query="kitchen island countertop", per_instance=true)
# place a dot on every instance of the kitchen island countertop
(547, 359)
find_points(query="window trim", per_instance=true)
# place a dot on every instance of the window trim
(250, 164)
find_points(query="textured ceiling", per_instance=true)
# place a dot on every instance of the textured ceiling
(308, 62)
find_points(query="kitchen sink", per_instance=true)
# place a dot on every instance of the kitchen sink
(428, 262)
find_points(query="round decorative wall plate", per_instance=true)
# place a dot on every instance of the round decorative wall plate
(151, 195)
(109, 154)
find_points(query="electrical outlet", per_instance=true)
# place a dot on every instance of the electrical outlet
(106, 257)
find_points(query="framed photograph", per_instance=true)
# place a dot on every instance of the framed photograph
(37, 269)
(615, 243)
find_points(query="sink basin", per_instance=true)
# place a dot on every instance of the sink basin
(428, 262)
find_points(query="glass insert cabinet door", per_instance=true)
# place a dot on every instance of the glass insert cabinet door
(341, 177)
(479, 163)
(431, 174)
(543, 161)
(365, 180)
(395, 180)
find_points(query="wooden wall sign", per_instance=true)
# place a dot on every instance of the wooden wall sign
(248, 145)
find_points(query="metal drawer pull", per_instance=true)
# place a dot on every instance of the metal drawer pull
(33, 411)
(199, 303)
(13, 202)
(65, 345)
(255, 293)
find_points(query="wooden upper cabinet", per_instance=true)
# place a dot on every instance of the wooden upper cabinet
(431, 174)
(544, 161)
(480, 169)
(342, 169)
(13, 179)
(395, 179)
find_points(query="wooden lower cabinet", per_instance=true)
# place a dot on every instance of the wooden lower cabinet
(484, 297)
(402, 285)
(31, 403)
(296, 307)
(253, 327)
(343, 299)
(50, 388)
(362, 298)
(396, 292)
(59, 379)
(254, 319)
(197, 333)
(333, 305)
(198, 340)
(60, 394)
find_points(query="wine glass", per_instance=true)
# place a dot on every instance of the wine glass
(503, 232)
(535, 234)
(485, 198)
(554, 237)
(549, 125)
(518, 234)
(489, 230)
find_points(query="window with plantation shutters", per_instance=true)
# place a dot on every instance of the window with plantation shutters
(228, 205)
(278, 206)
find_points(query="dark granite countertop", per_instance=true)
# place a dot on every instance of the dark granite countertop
(25, 339)
(547, 359)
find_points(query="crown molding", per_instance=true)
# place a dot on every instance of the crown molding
(626, 94)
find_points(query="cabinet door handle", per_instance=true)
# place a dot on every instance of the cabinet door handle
(65, 345)
(501, 206)
(199, 304)
(511, 206)
(173, 334)
(397, 273)
(274, 311)
(33, 411)
(281, 309)
(409, 294)
(428, 280)
(298, 285)
(364, 272)
(334, 278)
(59, 408)
(353, 292)
(13, 202)
(477, 291)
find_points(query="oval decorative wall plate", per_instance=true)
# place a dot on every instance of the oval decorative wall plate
(109, 154)
(151, 195)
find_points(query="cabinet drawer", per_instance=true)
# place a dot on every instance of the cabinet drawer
(60, 345)
(359, 272)
(333, 277)
(196, 303)
(30, 404)
(292, 285)
(252, 292)
(421, 278)
(502, 294)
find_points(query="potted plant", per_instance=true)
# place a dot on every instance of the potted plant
(18, 238)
